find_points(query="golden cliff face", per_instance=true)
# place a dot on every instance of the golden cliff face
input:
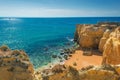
(111, 53)
(15, 65)
(103, 36)
(104, 39)
(89, 36)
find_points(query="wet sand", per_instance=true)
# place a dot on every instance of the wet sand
(78, 60)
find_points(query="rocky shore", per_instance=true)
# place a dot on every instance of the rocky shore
(102, 39)
(96, 56)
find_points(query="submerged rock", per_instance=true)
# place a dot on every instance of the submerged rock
(54, 56)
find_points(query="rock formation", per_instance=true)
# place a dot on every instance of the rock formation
(104, 39)
(15, 65)
(89, 35)
(104, 72)
(111, 53)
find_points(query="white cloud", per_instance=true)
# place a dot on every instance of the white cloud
(47, 12)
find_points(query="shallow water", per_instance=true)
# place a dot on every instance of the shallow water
(42, 37)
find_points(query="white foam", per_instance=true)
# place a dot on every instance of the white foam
(9, 19)
(69, 39)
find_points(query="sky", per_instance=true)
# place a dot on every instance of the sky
(59, 8)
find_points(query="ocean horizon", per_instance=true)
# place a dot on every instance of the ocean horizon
(41, 38)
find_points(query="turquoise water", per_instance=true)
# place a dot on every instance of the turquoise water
(42, 37)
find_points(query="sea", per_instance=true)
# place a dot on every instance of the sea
(41, 38)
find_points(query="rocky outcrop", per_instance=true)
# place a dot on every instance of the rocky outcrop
(104, 39)
(88, 36)
(15, 65)
(111, 53)
(104, 72)
(60, 72)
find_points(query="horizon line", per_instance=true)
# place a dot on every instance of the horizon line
(55, 17)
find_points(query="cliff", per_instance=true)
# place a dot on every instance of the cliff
(15, 65)
(88, 36)
(104, 37)
(111, 52)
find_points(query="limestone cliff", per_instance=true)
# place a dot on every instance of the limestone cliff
(111, 53)
(89, 35)
(15, 65)
(104, 39)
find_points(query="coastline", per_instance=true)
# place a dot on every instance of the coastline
(88, 60)
(96, 56)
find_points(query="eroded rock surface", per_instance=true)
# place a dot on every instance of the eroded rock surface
(104, 72)
(15, 65)
(88, 35)
(111, 53)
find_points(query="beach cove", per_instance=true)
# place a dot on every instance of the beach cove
(92, 53)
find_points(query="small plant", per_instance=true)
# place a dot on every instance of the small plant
(75, 64)
(74, 72)
(16, 52)
(4, 48)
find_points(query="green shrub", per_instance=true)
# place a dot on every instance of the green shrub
(16, 52)
(4, 48)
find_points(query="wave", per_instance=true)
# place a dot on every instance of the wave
(9, 19)
(10, 28)
(69, 39)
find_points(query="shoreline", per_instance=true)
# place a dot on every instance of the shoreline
(77, 60)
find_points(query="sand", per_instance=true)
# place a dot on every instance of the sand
(78, 60)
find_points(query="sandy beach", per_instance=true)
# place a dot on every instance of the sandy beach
(78, 60)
